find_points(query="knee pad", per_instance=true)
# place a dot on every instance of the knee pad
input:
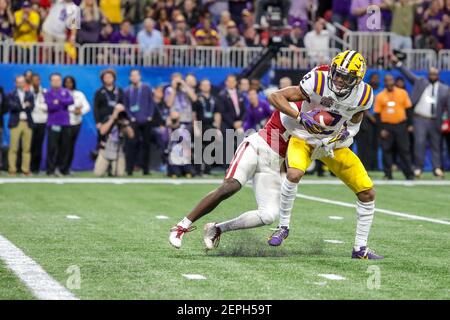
(267, 217)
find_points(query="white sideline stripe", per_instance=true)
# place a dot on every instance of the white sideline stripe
(335, 217)
(194, 276)
(42, 285)
(388, 212)
(334, 241)
(120, 181)
(73, 217)
(331, 276)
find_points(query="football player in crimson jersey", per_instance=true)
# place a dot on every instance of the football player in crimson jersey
(258, 158)
(342, 93)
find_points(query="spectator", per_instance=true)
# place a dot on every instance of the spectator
(433, 16)
(6, 20)
(400, 82)
(20, 105)
(216, 8)
(134, 11)
(233, 113)
(244, 87)
(3, 110)
(302, 10)
(140, 108)
(360, 9)
(252, 38)
(394, 117)
(285, 82)
(430, 98)
(26, 24)
(116, 128)
(179, 149)
(426, 39)
(91, 22)
(257, 113)
(236, 7)
(160, 116)
(341, 10)
(107, 97)
(39, 116)
(54, 28)
(58, 100)
(181, 34)
(444, 31)
(403, 12)
(367, 137)
(206, 35)
(76, 111)
(179, 96)
(191, 81)
(222, 27)
(294, 39)
(149, 38)
(111, 9)
(232, 38)
(106, 33)
(163, 24)
(207, 112)
(28, 79)
(124, 35)
(247, 21)
(191, 13)
(317, 42)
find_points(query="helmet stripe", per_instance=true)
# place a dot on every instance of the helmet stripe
(347, 61)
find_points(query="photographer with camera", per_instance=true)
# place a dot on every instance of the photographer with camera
(179, 96)
(115, 128)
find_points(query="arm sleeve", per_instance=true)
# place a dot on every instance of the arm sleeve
(408, 74)
(378, 105)
(85, 106)
(310, 83)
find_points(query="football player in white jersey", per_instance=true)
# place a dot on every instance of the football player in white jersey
(258, 158)
(342, 93)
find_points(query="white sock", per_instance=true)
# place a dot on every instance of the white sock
(364, 216)
(249, 219)
(185, 223)
(288, 195)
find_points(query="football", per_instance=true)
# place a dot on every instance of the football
(324, 118)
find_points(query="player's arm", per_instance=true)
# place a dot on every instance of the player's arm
(280, 100)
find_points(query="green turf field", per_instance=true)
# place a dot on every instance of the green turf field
(122, 249)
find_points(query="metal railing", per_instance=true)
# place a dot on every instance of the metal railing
(444, 60)
(165, 56)
(374, 47)
(302, 58)
(39, 53)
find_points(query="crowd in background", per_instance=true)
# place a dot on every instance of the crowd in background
(135, 121)
(421, 24)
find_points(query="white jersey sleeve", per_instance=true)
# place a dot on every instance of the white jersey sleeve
(313, 83)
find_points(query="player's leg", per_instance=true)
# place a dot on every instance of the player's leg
(347, 167)
(241, 168)
(267, 192)
(298, 160)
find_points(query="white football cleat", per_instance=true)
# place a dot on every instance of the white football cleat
(211, 236)
(176, 235)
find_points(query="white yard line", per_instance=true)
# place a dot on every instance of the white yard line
(41, 284)
(203, 181)
(388, 212)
